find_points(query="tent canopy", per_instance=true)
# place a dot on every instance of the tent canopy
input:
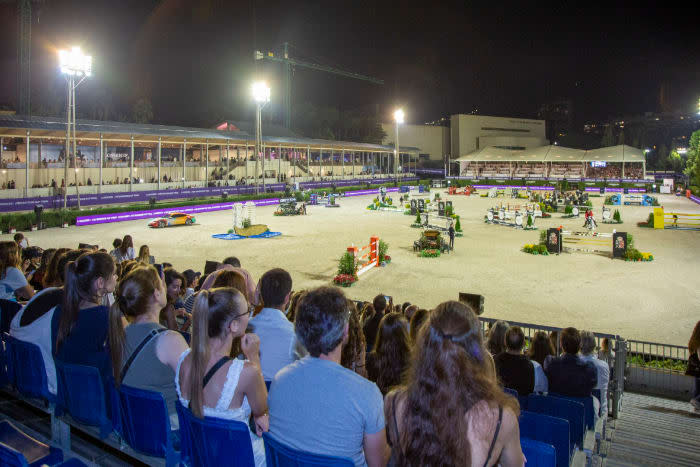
(553, 153)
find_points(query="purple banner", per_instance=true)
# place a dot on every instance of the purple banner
(616, 190)
(56, 202)
(694, 199)
(500, 187)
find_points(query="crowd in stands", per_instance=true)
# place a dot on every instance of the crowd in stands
(374, 382)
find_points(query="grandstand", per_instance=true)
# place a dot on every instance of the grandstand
(554, 162)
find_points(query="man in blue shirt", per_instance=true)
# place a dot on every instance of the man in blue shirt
(318, 406)
(278, 344)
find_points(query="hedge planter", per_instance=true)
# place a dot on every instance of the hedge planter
(673, 384)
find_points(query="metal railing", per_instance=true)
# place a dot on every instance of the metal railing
(658, 369)
(616, 386)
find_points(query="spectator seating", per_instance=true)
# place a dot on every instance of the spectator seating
(19, 449)
(8, 310)
(5, 377)
(280, 455)
(81, 393)
(213, 441)
(549, 430)
(521, 399)
(587, 404)
(573, 412)
(154, 438)
(26, 369)
(537, 453)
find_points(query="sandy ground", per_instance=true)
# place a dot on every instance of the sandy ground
(657, 301)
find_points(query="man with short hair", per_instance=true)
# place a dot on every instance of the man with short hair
(569, 374)
(318, 406)
(372, 324)
(233, 261)
(588, 347)
(514, 369)
(278, 343)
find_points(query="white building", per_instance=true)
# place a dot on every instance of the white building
(466, 134)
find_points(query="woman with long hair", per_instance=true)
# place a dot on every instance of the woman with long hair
(293, 302)
(83, 322)
(50, 279)
(389, 357)
(13, 284)
(140, 296)
(208, 380)
(144, 255)
(451, 410)
(354, 351)
(540, 347)
(694, 364)
(175, 307)
(125, 250)
(496, 341)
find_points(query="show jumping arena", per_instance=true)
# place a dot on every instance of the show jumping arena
(654, 301)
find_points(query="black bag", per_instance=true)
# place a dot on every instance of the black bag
(693, 366)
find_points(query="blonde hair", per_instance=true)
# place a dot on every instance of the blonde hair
(144, 254)
(213, 311)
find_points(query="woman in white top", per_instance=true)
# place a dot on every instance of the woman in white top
(125, 251)
(208, 380)
(13, 284)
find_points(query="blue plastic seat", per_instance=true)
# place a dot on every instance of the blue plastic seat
(145, 425)
(18, 449)
(589, 409)
(27, 369)
(537, 453)
(8, 310)
(213, 441)
(6, 376)
(549, 430)
(81, 393)
(280, 455)
(573, 412)
(74, 462)
(521, 399)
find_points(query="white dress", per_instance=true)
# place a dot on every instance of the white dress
(222, 410)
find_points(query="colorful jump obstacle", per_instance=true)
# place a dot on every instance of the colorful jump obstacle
(632, 199)
(614, 243)
(369, 252)
(675, 220)
(515, 219)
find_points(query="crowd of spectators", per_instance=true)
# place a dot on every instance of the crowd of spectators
(373, 382)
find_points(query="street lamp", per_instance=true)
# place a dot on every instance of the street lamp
(261, 95)
(398, 118)
(74, 64)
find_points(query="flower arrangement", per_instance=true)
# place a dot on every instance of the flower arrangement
(382, 250)
(632, 254)
(429, 253)
(648, 223)
(344, 280)
(538, 249)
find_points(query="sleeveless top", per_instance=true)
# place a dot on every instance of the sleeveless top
(146, 371)
(396, 450)
(222, 409)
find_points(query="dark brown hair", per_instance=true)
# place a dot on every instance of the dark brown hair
(417, 321)
(351, 356)
(9, 257)
(391, 351)
(694, 342)
(127, 243)
(540, 347)
(570, 340)
(231, 279)
(496, 341)
(51, 278)
(450, 374)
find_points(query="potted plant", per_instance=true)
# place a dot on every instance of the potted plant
(347, 270)
(384, 259)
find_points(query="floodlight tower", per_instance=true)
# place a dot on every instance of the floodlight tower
(74, 64)
(261, 95)
(398, 118)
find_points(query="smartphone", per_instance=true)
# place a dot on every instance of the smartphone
(159, 268)
(387, 298)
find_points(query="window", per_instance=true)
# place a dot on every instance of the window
(515, 130)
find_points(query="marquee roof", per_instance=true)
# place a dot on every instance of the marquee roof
(553, 153)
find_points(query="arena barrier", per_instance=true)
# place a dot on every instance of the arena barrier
(369, 252)
(517, 219)
(675, 220)
(614, 243)
(530, 208)
(635, 199)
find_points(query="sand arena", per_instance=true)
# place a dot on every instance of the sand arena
(657, 301)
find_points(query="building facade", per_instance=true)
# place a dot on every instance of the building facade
(472, 132)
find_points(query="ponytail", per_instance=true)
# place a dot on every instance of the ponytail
(72, 295)
(200, 352)
(117, 338)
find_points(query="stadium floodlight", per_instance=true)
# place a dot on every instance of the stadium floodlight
(73, 62)
(261, 92)
(398, 116)
(261, 95)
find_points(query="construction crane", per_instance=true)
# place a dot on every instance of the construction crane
(288, 63)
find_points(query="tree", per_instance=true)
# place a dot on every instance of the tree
(692, 167)
(142, 111)
(608, 137)
(675, 162)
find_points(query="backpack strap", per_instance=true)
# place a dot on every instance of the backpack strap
(138, 350)
(222, 361)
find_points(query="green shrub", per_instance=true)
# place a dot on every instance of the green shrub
(568, 209)
(383, 249)
(418, 219)
(458, 225)
(543, 237)
(632, 254)
(616, 216)
(347, 264)
(246, 223)
(589, 203)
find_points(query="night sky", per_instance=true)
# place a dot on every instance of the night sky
(195, 59)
